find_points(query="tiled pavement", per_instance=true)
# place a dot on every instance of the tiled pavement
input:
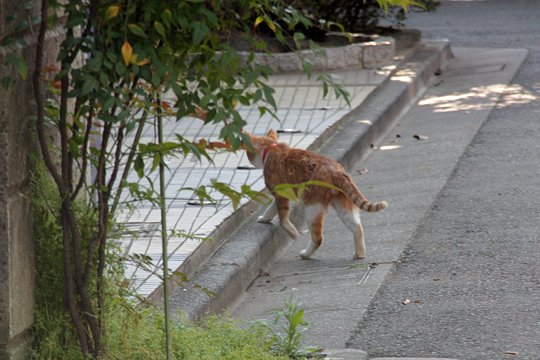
(300, 107)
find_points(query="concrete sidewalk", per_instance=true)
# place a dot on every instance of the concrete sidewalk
(219, 282)
(304, 117)
(306, 120)
(408, 168)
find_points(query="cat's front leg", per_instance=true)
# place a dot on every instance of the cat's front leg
(269, 214)
(283, 207)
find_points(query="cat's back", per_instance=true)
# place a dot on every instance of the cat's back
(298, 165)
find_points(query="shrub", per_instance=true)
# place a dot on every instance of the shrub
(363, 15)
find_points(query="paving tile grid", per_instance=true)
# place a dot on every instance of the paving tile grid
(300, 106)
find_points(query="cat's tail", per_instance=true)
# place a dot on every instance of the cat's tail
(346, 184)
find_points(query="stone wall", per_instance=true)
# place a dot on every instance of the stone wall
(16, 241)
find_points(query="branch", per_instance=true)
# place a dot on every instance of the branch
(117, 158)
(103, 219)
(94, 5)
(70, 290)
(67, 215)
(131, 156)
(62, 128)
(84, 160)
(38, 96)
(119, 143)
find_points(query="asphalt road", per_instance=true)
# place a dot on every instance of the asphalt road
(472, 270)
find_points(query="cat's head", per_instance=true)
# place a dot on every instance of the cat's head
(258, 146)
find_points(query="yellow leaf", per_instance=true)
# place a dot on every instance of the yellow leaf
(135, 60)
(143, 62)
(127, 52)
(259, 20)
(111, 12)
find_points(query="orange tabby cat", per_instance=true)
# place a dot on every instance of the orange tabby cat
(285, 165)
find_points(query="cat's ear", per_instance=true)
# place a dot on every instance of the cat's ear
(272, 134)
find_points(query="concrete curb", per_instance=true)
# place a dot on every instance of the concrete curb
(358, 131)
(220, 282)
(345, 354)
(368, 55)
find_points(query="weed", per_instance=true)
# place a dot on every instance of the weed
(286, 331)
(131, 331)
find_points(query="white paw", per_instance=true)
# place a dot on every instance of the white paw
(290, 229)
(359, 256)
(304, 254)
(262, 219)
(292, 232)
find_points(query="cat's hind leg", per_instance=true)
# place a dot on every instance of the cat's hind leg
(350, 215)
(283, 207)
(269, 214)
(314, 214)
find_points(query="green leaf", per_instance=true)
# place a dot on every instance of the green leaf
(21, 67)
(103, 78)
(6, 82)
(308, 67)
(343, 93)
(138, 165)
(269, 96)
(322, 184)
(87, 86)
(270, 24)
(301, 189)
(159, 28)
(298, 37)
(294, 192)
(74, 147)
(229, 192)
(94, 64)
(297, 318)
(7, 41)
(286, 191)
(199, 32)
(108, 103)
(202, 194)
(258, 196)
(166, 17)
(137, 30)
(325, 80)
(156, 160)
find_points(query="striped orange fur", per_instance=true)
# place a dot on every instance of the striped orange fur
(282, 164)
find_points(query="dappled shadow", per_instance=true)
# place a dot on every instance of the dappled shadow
(404, 76)
(481, 97)
(517, 95)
